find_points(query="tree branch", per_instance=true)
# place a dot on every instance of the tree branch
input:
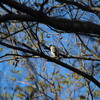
(18, 17)
(80, 6)
(91, 78)
(80, 57)
(87, 47)
(58, 23)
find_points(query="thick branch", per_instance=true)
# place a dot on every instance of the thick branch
(16, 17)
(91, 78)
(73, 26)
(58, 23)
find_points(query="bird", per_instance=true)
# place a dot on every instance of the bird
(54, 51)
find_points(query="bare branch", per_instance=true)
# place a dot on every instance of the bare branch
(91, 78)
(80, 6)
(81, 57)
(87, 47)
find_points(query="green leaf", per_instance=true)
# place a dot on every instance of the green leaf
(28, 78)
(11, 95)
(5, 94)
(19, 95)
(13, 79)
(1, 49)
(67, 79)
(97, 93)
(30, 89)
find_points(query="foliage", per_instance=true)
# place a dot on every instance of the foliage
(28, 70)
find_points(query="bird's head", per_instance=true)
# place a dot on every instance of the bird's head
(50, 46)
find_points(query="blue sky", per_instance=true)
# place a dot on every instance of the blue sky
(68, 41)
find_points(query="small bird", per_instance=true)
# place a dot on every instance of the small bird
(54, 51)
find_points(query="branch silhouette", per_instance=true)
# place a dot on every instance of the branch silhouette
(66, 25)
(35, 53)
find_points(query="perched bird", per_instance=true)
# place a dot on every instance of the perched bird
(54, 51)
